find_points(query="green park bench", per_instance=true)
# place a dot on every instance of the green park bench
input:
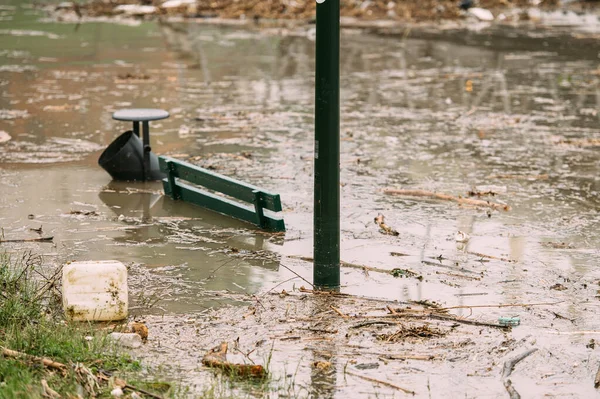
(254, 199)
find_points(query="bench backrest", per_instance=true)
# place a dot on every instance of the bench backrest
(179, 172)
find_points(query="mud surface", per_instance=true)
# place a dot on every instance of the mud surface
(512, 121)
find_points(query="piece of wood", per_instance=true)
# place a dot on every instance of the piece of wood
(455, 268)
(447, 197)
(459, 275)
(356, 266)
(39, 239)
(217, 358)
(372, 322)
(48, 392)
(407, 357)
(512, 392)
(385, 229)
(318, 330)
(24, 356)
(511, 363)
(445, 317)
(597, 379)
(336, 310)
(503, 305)
(380, 382)
(491, 257)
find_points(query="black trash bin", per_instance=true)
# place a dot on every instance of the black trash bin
(123, 159)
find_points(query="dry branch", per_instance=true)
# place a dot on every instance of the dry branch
(387, 384)
(512, 392)
(373, 322)
(24, 356)
(217, 358)
(455, 268)
(443, 317)
(511, 363)
(447, 197)
(597, 379)
(385, 229)
(48, 392)
(507, 370)
(357, 266)
(336, 310)
(502, 305)
(39, 239)
(491, 257)
(407, 357)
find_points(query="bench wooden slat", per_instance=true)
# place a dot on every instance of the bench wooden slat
(220, 183)
(223, 205)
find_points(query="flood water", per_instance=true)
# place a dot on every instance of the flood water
(451, 112)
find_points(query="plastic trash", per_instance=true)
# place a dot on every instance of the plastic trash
(129, 340)
(95, 291)
(509, 321)
(481, 13)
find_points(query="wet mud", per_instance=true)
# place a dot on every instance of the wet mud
(473, 115)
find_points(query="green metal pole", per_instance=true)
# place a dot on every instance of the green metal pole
(326, 273)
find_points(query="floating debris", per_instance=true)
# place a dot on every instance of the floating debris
(4, 137)
(461, 237)
(509, 321)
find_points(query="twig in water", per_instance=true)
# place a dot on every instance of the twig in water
(283, 282)
(217, 357)
(511, 363)
(456, 268)
(407, 357)
(512, 392)
(39, 239)
(507, 370)
(336, 310)
(354, 266)
(447, 197)
(372, 322)
(502, 305)
(296, 274)
(491, 257)
(385, 229)
(387, 384)
(446, 317)
(319, 330)
(459, 276)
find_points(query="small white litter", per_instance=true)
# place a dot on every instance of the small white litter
(461, 236)
(134, 9)
(481, 13)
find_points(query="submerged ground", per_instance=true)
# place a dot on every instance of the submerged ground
(507, 112)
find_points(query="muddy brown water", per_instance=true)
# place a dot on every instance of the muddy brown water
(452, 111)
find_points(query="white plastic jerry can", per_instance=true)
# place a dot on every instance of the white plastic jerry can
(95, 290)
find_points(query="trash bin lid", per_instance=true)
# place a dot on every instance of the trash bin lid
(140, 114)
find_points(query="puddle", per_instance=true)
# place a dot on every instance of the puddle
(436, 112)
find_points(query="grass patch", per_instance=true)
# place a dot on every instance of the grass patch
(31, 322)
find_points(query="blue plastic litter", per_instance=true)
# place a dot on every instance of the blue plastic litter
(509, 321)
